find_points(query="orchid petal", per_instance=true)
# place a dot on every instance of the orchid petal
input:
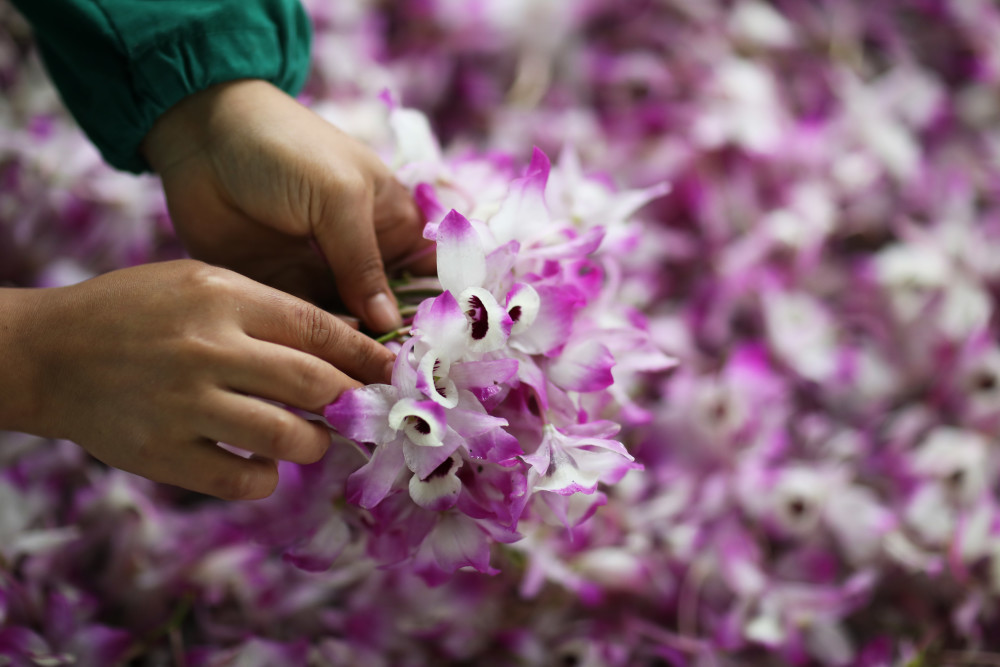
(433, 380)
(362, 414)
(424, 460)
(370, 483)
(428, 203)
(321, 549)
(415, 141)
(490, 324)
(454, 542)
(423, 422)
(553, 323)
(583, 366)
(440, 489)
(404, 375)
(572, 248)
(623, 205)
(500, 263)
(524, 211)
(441, 325)
(461, 260)
(523, 303)
(468, 374)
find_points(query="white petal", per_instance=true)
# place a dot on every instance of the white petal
(461, 258)
(522, 306)
(490, 323)
(420, 421)
(433, 380)
(439, 491)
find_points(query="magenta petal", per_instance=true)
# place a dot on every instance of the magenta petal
(424, 460)
(470, 417)
(455, 542)
(539, 168)
(554, 322)
(479, 374)
(404, 375)
(600, 428)
(540, 459)
(370, 483)
(461, 259)
(583, 366)
(427, 201)
(434, 382)
(577, 247)
(22, 643)
(497, 446)
(362, 414)
(575, 509)
(318, 551)
(442, 326)
(500, 263)
(524, 211)
(440, 490)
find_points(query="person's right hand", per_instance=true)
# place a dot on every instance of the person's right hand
(148, 368)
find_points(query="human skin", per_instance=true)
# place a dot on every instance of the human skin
(257, 182)
(147, 368)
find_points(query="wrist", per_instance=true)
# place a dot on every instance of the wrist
(191, 125)
(21, 376)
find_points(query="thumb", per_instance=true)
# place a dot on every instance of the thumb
(345, 233)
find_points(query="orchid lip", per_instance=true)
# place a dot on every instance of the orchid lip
(523, 304)
(489, 323)
(440, 489)
(423, 422)
(433, 380)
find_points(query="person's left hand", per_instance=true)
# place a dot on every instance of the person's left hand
(260, 184)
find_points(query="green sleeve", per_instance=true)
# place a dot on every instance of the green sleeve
(119, 64)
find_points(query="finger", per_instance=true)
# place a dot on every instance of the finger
(292, 265)
(422, 262)
(283, 319)
(286, 375)
(263, 429)
(352, 322)
(204, 467)
(345, 233)
(399, 226)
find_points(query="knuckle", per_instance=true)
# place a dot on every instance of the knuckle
(316, 328)
(238, 484)
(370, 269)
(207, 281)
(198, 353)
(313, 379)
(353, 184)
(343, 190)
(281, 435)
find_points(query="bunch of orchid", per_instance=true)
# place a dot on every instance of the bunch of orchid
(501, 393)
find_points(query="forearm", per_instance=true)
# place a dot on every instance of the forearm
(21, 393)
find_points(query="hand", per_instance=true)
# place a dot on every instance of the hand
(253, 178)
(148, 368)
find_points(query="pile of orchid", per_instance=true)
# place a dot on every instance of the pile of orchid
(812, 482)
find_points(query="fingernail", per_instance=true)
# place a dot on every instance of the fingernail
(383, 313)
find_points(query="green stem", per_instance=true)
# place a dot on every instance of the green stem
(392, 335)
